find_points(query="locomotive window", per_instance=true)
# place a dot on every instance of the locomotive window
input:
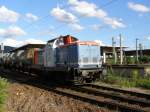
(50, 44)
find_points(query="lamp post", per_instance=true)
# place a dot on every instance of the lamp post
(121, 52)
(137, 54)
(114, 50)
(2, 49)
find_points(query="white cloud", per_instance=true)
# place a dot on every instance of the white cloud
(63, 16)
(138, 7)
(87, 9)
(12, 31)
(47, 32)
(76, 27)
(31, 17)
(97, 27)
(17, 43)
(148, 38)
(113, 22)
(73, 2)
(7, 15)
(33, 41)
(66, 17)
(12, 42)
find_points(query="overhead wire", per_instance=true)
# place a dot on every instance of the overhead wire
(102, 6)
(41, 19)
(79, 17)
(63, 24)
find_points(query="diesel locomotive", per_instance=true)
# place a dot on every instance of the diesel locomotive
(64, 59)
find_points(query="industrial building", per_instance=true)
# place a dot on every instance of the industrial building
(107, 53)
(144, 52)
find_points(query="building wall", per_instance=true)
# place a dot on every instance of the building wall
(129, 71)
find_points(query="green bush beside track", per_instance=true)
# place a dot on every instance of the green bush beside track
(135, 81)
(3, 93)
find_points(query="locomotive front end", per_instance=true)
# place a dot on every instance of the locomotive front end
(89, 61)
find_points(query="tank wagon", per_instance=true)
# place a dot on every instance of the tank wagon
(64, 58)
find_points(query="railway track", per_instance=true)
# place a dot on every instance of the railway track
(132, 93)
(120, 95)
(98, 101)
(111, 100)
(96, 95)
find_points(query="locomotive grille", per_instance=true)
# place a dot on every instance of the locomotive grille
(85, 59)
(94, 59)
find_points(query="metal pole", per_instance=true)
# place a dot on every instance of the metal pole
(2, 49)
(141, 48)
(137, 54)
(121, 57)
(114, 50)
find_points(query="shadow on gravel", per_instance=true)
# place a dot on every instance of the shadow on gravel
(23, 97)
(44, 82)
(50, 85)
(40, 82)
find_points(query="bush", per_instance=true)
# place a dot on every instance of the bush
(3, 93)
(135, 81)
(145, 83)
(120, 81)
(135, 74)
(130, 60)
(144, 59)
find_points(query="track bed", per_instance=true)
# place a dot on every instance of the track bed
(103, 97)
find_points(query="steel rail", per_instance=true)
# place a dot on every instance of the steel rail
(80, 96)
(102, 103)
(132, 93)
(113, 96)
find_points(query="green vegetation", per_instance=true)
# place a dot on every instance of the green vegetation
(3, 93)
(144, 59)
(130, 60)
(134, 81)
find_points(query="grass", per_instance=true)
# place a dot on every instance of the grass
(3, 93)
(134, 81)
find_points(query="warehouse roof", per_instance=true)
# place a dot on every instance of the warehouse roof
(27, 46)
(133, 52)
(109, 49)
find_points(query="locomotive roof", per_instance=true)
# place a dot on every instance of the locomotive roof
(82, 43)
(62, 37)
(27, 46)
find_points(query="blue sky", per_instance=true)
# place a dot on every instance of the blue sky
(27, 21)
